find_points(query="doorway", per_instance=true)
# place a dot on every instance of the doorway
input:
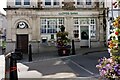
(84, 35)
(22, 42)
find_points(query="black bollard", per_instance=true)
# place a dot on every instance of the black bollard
(30, 53)
(73, 48)
(13, 68)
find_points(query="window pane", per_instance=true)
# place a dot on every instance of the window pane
(43, 29)
(88, 2)
(76, 33)
(47, 2)
(79, 2)
(84, 21)
(18, 2)
(26, 2)
(43, 21)
(61, 21)
(51, 25)
(56, 2)
(93, 31)
(92, 21)
(75, 21)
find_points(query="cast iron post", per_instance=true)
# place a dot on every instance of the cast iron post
(30, 52)
(13, 67)
(73, 48)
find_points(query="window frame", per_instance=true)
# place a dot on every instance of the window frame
(80, 2)
(52, 3)
(51, 27)
(27, 2)
(90, 21)
(18, 2)
(88, 2)
(57, 2)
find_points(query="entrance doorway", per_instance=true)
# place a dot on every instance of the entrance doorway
(22, 42)
(84, 31)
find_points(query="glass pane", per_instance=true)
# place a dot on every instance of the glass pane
(76, 21)
(51, 24)
(76, 33)
(84, 33)
(43, 21)
(79, 2)
(43, 30)
(56, 2)
(18, 2)
(47, 2)
(88, 2)
(84, 21)
(61, 21)
(92, 21)
(26, 2)
(93, 31)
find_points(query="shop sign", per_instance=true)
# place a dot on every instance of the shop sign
(79, 13)
(68, 13)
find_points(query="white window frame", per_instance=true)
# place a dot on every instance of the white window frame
(89, 6)
(92, 28)
(79, 6)
(91, 23)
(88, 1)
(17, 1)
(57, 2)
(55, 25)
(84, 5)
(22, 4)
(76, 27)
(52, 4)
(80, 1)
(27, 2)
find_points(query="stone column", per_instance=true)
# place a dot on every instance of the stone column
(69, 26)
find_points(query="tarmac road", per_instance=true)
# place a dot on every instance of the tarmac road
(77, 66)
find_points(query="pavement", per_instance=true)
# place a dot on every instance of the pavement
(35, 70)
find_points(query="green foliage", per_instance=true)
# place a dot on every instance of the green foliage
(62, 37)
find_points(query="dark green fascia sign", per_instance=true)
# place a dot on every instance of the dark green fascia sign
(68, 13)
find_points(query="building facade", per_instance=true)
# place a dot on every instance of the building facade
(37, 21)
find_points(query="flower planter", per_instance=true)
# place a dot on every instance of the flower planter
(63, 51)
(109, 68)
(63, 42)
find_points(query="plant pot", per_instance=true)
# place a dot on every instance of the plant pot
(63, 51)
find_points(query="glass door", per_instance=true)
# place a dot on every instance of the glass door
(84, 36)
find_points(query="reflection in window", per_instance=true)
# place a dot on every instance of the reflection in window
(79, 2)
(18, 2)
(55, 2)
(88, 2)
(47, 2)
(43, 29)
(84, 35)
(61, 21)
(84, 21)
(76, 21)
(26, 2)
(76, 33)
(92, 21)
(51, 25)
(93, 31)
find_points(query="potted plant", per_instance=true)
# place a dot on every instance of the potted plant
(63, 42)
(110, 67)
